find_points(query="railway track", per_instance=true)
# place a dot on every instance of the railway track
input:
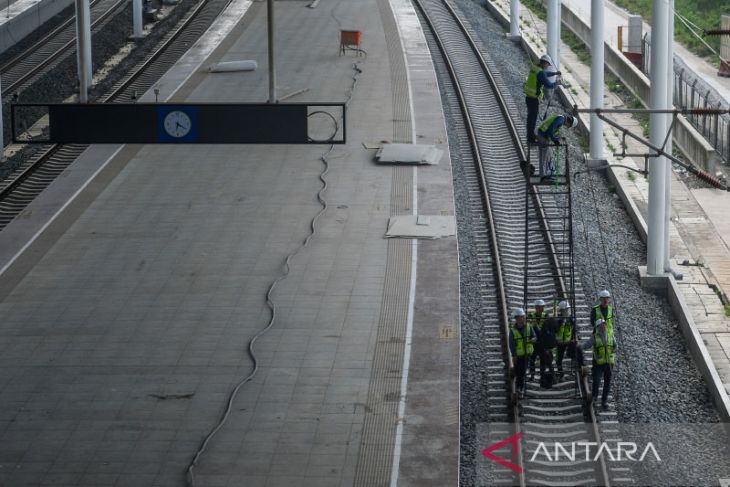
(499, 203)
(50, 160)
(27, 66)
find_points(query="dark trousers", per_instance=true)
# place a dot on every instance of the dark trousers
(546, 361)
(598, 372)
(564, 349)
(520, 371)
(533, 106)
(537, 353)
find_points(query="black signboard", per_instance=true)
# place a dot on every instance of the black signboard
(185, 123)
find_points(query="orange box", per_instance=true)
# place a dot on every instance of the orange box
(350, 37)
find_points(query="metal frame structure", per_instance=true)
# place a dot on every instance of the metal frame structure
(657, 150)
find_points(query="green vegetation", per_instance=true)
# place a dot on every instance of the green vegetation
(727, 310)
(537, 8)
(616, 86)
(631, 175)
(576, 45)
(703, 13)
(583, 142)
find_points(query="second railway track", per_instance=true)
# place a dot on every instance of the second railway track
(40, 170)
(491, 153)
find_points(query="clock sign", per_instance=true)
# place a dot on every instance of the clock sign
(178, 124)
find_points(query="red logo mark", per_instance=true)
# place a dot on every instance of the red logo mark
(515, 441)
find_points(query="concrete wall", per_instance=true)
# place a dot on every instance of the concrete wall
(26, 16)
(686, 138)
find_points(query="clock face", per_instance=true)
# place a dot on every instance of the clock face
(177, 124)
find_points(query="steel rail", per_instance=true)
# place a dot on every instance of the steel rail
(36, 68)
(142, 78)
(484, 182)
(494, 243)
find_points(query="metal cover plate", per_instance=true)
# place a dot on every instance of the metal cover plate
(408, 154)
(407, 226)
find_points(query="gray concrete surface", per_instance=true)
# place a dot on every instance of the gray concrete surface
(127, 327)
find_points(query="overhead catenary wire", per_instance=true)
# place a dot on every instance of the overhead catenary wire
(689, 24)
(190, 473)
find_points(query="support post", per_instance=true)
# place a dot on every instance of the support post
(137, 24)
(668, 122)
(272, 68)
(553, 33)
(83, 48)
(597, 45)
(658, 126)
(514, 20)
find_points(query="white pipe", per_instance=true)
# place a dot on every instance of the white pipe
(137, 19)
(668, 150)
(657, 165)
(514, 19)
(553, 33)
(597, 44)
(83, 48)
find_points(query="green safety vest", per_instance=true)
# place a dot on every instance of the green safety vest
(546, 124)
(608, 318)
(603, 352)
(530, 86)
(537, 321)
(522, 342)
(565, 331)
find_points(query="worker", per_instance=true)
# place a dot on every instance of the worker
(521, 343)
(565, 324)
(537, 78)
(549, 133)
(603, 310)
(603, 344)
(547, 341)
(536, 320)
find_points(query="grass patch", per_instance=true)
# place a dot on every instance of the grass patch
(576, 45)
(631, 176)
(583, 142)
(537, 8)
(727, 310)
(703, 13)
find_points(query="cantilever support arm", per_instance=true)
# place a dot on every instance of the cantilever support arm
(659, 151)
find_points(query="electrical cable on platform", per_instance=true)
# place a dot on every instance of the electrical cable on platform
(190, 472)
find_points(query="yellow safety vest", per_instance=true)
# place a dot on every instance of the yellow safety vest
(522, 342)
(565, 331)
(530, 86)
(546, 124)
(608, 318)
(603, 352)
(535, 320)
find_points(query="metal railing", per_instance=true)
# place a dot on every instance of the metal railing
(693, 93)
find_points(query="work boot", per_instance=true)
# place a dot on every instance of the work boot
(604, 404)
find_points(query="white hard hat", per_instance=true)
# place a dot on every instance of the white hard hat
(518, 312)
(539, 302)
(564, 305)
(604, 294)
(572, 119)
(546, 58)
(600, 322)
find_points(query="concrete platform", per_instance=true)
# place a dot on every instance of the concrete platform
(127, 311)
(699, 233)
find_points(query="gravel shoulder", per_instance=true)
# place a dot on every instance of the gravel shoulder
(655, 380)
